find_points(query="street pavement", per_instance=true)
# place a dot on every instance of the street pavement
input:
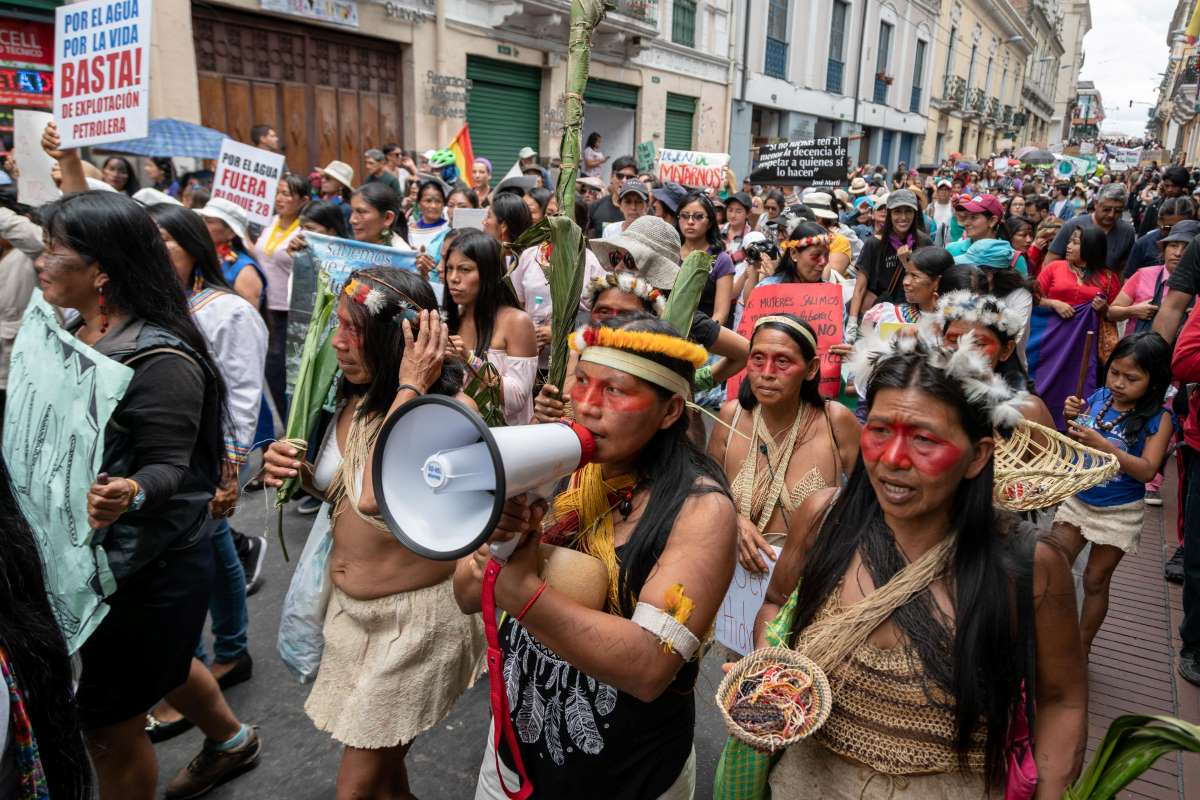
(300, 763)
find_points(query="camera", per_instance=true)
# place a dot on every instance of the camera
(756, 250)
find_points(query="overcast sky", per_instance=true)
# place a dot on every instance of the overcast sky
(1126, 49)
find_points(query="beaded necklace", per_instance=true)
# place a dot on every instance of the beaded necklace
(1104, 409)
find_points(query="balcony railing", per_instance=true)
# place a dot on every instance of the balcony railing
(991, 111)
(833, 76)
(953, 89)
(776, 60)
(644, 10)
(1006, 115)
(881, 91)
(973, 101)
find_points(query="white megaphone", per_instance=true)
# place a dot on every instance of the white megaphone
(441, 475)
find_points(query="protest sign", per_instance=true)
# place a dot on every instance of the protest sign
(1000, 165)
(61, 394)
(102, 71)
(734, 625)
(248, 177)
(468, 218)
(644, 153)
(329, 259)
(689, 168)
(819, 304)
(34, 184)
(1121, 159)
(802, 162)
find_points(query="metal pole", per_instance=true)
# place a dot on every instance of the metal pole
(862, 49)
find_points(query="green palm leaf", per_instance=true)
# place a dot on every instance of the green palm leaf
(1130, 747)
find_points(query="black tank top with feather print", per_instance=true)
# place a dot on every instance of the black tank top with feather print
(583, 739)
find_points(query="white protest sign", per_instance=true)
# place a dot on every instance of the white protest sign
(690, 168)
(102, 71)
(1000, 165)
(735, 617)
(248, 177)
(34, 184)
(468, 218)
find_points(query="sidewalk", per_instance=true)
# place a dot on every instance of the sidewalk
(1132, 669)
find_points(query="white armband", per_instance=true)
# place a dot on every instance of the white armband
(674, 637)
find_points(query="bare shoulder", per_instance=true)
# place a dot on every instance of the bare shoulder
(467, 401)
(708, 511)
(512, 319)
(840, 417)
(1051, 571)
(728, 409)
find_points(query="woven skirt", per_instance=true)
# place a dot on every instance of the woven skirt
(1116, 526)
(807, 771)
(392, 667)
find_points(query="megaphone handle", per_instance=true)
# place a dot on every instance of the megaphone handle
(501, 722)
(502, 551)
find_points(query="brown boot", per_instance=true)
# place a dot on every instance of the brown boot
(212, 767)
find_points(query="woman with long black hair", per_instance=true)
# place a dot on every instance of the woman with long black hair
(375, 217)
(42, 751)
(699, 230)
(881, 262)
(118, 173)
(507, 218)
(396, 653)
(163, 454)
(619, 718)
(162, 175)
(487, 326)
(790, 442)
(237, 340)
(973, 609)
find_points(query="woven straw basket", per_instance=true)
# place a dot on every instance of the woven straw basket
(822, 696)
(1037, 467)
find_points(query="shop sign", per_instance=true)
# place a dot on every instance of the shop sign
(446, 95)
(102, 71)
(24, 43)
(338, 12)
(414, 11)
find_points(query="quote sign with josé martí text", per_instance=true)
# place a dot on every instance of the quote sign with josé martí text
(248, 177)
(819, 304)
(692, 169)
(102, 71)
(802, 162)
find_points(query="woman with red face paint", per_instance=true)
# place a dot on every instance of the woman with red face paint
(602, 699)
(791, 444)
(396, 654)
(973, 608)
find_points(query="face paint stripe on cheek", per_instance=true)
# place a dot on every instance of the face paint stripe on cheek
(897, 447)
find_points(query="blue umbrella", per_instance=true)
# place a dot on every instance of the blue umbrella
(172, 137)
(966, 165)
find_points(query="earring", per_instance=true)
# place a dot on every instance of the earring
(103, 311)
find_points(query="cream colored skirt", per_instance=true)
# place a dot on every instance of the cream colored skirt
(392, 667)
(1117, 526)
(807, 771)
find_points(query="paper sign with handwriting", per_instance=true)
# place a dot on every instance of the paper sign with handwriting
(102, 71)
(689, 168)
(735, 617)
(819, 304)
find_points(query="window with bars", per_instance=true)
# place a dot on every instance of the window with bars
(683, 22)
(914, 103)
(883, 56)
(837, 47)
(775, 63)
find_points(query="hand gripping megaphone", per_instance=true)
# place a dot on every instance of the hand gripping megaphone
(441, 475)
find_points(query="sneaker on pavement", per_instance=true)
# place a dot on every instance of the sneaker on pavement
(1153, 499)
(1189, 666)
(253, 558)
(212, 767)
(308, 505)
(1173, 569)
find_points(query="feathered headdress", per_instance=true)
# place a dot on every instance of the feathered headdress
(967, 366)
(624, 350)
(629, 283)
(975, 309)
(375, 301)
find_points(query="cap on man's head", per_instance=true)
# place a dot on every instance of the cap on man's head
(903, 198)
(633, 186)
(741, 198)
(671, 195)
(943, 183)
(526, 152)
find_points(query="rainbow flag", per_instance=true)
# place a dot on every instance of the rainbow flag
(464, 156)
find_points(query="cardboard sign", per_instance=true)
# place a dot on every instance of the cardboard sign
(468, 218)
(819, 304)
(102, 71)
(735, 617)
(645, 156)
(34, 184)
(802, 163)
(690, 168)
(248, 177)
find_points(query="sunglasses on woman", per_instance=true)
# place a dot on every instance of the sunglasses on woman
(619, 258)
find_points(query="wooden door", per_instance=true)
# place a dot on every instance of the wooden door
(330, 95)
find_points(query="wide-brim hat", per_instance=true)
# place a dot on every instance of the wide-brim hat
(149, 196)
(859, 186)
(591, 183)
(229, 213)
(341, 172)
(654, 245)
(526, 152)
(1182, 231)
(821, 205)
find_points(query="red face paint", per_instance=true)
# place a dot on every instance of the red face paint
(763, 364)
(610, 396)
(906, 447)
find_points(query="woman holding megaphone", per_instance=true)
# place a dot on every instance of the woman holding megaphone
(397, 653)
(602, 699)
